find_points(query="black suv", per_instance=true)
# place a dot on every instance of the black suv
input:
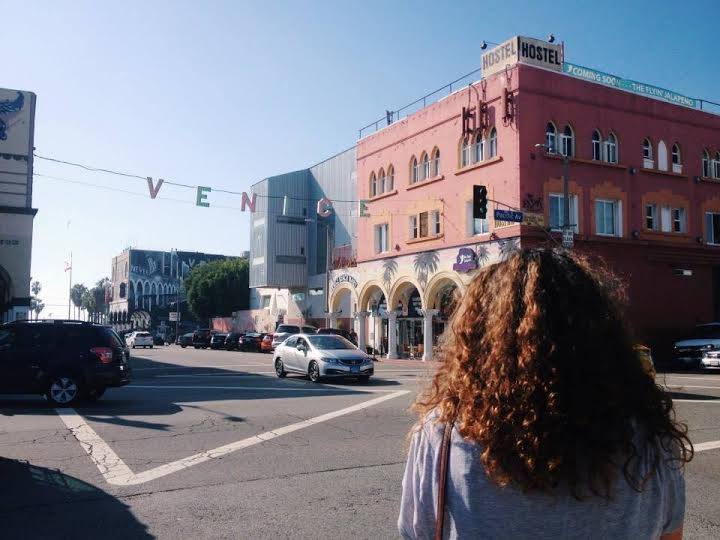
(66, 361)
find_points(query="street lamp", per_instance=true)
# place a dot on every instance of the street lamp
(566, 226)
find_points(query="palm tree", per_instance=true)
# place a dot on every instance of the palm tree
(483, 254)
(425, 263)
(76, 295)
(508, 247)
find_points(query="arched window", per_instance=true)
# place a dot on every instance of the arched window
(550, 138)
(414, 173)
(676, 158)
(493, 143)
(381, 182)
(662, 156)
(465, 151)
(706, 164)
(597, 145)
(567, 142)
(647, 154)
(390, 182)
(425, 173)
(716, 166)
(611, 149)
(373, 185)
(479, 148)
(436, 162)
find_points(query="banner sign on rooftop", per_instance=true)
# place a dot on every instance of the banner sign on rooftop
(635, 87)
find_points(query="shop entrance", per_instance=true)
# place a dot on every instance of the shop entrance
(410, 326)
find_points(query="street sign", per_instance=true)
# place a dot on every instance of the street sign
(508, 215)
(568, 238)
(174, 316)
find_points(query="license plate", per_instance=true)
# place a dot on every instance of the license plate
(355, 369)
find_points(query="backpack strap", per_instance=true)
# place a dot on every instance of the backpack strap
(442, 480)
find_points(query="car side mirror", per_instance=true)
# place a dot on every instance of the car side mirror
(300, 347)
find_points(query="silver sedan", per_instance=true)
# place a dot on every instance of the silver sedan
(322, 356)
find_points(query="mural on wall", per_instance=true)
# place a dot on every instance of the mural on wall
(425, 264)
(508, 247)
(389, 269)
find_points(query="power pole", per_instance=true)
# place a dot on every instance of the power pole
(70, 288)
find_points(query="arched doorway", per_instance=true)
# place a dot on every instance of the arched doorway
(406, 301)
(373, 318)
(342, 303)
(442, 296)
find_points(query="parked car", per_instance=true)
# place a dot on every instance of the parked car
(689, 352)
(67, 361)
(139, 339)
(158, 339)
(185, 340)
(266, 345)
(284, 331)
(711, 359)
(318, 356)
(251, 342)
(336, 331)
(232, 340)
(201, 338)
(217, 341)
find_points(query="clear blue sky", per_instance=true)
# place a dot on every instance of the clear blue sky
(227, 93)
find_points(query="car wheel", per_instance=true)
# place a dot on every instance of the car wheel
(314, 372)
(364, 379)
(93, 394)
(280, 368)
(64, 390)
(133, 345)
(183, 346)
(151, 346)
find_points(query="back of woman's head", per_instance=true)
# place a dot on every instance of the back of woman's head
(540, 369)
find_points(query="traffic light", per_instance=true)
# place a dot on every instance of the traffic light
(479, 202)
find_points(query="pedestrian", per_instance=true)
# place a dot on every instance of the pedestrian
(553, 428)
(353, 336)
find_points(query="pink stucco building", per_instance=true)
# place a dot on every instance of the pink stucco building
(644, 180)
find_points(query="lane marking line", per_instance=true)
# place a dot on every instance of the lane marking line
(696, 400)
(325, 388)
(691, 386)
(240, 374)
(710, 445)
(199, 367)
(699, 378)
(116, 472)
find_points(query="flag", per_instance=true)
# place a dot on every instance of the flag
(68, 266)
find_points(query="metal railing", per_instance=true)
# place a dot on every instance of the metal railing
(420, 103)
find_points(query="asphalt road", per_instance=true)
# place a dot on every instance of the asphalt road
(210, 444)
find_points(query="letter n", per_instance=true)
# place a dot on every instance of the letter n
(249, 202)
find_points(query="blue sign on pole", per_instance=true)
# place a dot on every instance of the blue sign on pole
(508, 215)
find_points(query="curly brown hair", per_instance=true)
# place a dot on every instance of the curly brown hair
(540, 369)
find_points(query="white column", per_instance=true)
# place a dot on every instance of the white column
(361, 329)
(392, 335)
(428, 315)
(333, 317)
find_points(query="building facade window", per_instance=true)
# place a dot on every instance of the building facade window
(607, 217)
(414, 171)
(611, 149)
(706, 164)
(390, 181)
(381, 182)
(425, 173)
(567, 142)
(479, 149)
(373, 185)
(712, 228)
(662, 156)
(678, 220)
(716, 166)
(550, 138)
(382, 241)
(676, 158)
(424, 225)
(648, 154)
(596, 146)
(651, 217)
(265, 301)
(493, 143)
(435, 162)
(475, 226)
(557, 211)
(465, 151)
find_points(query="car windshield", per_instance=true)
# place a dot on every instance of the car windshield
(707, 332)
(143, 334)
(329, 342)
(288, 329)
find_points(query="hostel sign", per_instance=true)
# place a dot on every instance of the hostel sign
(523, 50)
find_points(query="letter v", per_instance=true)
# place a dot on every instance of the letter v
(154, 189)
